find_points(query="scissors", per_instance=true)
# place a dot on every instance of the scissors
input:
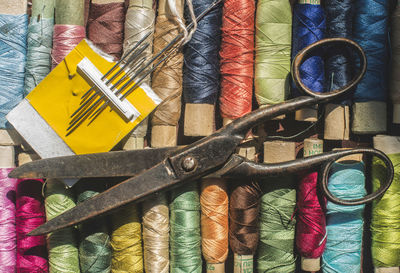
(154, 170)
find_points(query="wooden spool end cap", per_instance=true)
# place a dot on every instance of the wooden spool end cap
(242, 263)
(313, 146)
(14, 7)
(311, 265)
(216, 268)
(7, 157)
(163, 136)
(396, 113)
(353, 157)
(369, 117)
(199, 119)
(102, 2)
(307, 114)
(26, 158)
(133, 143)
(10, 137)
(387, 270)
(387, 144)
(279, 151)
(337, 122)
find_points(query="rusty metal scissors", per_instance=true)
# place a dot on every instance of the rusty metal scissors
(153, 170)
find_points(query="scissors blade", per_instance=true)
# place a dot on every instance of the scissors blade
(136, 188)
(111, 164)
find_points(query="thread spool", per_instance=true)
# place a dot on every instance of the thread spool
(214, 223)
(69, 29)
(202, 69)
(308, 27)
(30, 214)
(339, 18)
(94, 245)
(105, 26)
(273, 47)
(244, 207)
(13, 9)
(167, 79)
(139, 20)
(345, 223)
(62, 245)
(310, 241)
(40, 40)
(276, 252)
(237, 58)
(371, 32)
(7, 221)
(395, 62)
(385, 251)
(185, 229)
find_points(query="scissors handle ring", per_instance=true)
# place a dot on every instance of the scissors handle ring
(314, 50)
(384, 185)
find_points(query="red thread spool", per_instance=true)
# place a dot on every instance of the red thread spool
(311, 226)
(237, 58)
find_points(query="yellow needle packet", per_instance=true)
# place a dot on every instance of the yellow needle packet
(43, 117)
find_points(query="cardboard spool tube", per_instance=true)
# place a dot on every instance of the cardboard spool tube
(387, 270)
(199, 119)
(369, 117)
(10, 137)
(312, 146)
(279, 151)
(353, 157)
(163, 136)
(337, 122)
(307, 114)
(7, 157)
(70, 12)
(26, 158)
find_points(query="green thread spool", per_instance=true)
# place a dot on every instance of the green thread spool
(185, 239)
(277, 224)
(386, 217)
(40, 41)
(273, 49)
(94, 246)
(62, 245)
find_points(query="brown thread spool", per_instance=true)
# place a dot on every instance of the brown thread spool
(244, 208)
(167, 79)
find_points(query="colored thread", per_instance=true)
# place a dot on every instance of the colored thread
(395, 60)
(214, 220)
(371, 32)
(311, 226)
(167, 78)
(156, 234)
(201, 62)
(94, 246)
(7, 221)
(339, 20)
(139, 20)
(237, 47)
(38, 58)
(65, 38)
(277, 226)
(31, 250)
(62, 245)
(273, 47)
(13, 31)
(185, 230)
(385, 224)
(244, 207)
(344, 223)
(105, 27)
(126, 241)
(309, 27)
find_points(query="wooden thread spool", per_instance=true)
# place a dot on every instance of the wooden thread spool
(312, 146)
(388, 145)
(337, 122)
(10, 136)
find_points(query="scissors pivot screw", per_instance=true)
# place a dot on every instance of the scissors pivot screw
(189, 164)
